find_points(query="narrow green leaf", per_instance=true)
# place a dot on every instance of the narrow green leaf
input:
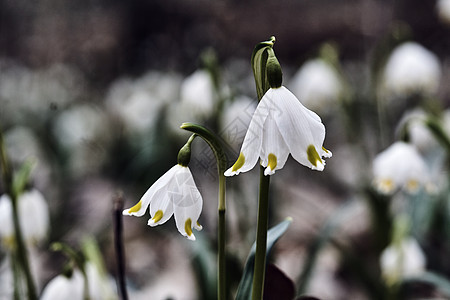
(245, 286)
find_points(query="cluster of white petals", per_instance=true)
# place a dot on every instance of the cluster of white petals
(411, 69)
(281, 125)
(399, 166)
(174, 193)
(317, 84)
(402, 260)
(33, 216)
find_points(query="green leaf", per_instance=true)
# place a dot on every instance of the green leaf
(244, 291)
(258, 61)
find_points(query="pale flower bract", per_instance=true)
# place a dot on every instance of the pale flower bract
(174, 193)
(279, 126)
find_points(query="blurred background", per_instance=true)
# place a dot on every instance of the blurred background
(95, 91)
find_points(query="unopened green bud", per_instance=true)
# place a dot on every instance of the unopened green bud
(184, 155)
(273, 69)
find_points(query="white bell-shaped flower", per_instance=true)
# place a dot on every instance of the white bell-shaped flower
(279, 126)
(174, 193)
(317, 84)
(402, 260)
(63, 287)
(399, 166)
(411, 69)
(33, 217)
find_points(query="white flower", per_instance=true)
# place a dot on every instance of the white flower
(411, 69)
(402, 260)
(443, 10)
(399, 166)
(418, 133)
(282, 125)
(174, 193)
(62, 287)
(33, 216)
(317, 84)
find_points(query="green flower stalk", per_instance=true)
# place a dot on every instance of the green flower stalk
(21, 253)
(221, 160)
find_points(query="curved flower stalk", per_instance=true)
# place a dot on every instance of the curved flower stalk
(399, 166)
(174, 193)
(282, 125)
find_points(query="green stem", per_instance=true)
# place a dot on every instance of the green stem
(21, 250)
(221, 159)
(261, 237)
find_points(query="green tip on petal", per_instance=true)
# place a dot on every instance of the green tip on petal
(272, 161)
(158, 216)
(188, 229)
(135, 208)
(239, 163)
(313, 156)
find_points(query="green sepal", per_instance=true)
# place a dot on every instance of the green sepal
(184, 155)
(259, 64)
(244, 291)
(273, 70)
(21, 177)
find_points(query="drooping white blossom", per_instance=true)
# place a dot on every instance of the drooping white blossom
(174, 193)
(281, 125)
(411, 69)
(33, 216)
(402, 260)
(399, 166)
(317, 84)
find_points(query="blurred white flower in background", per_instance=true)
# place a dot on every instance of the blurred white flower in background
(25, 92)
(443, 10)
(411, 69)
(23, 145)
(138, 103)
(235, 118)
(402, 260)
(317, 85)
(419, 134)
(63, 287)
(83, 133)
(33, 215)
(399, 166)
(197, 101)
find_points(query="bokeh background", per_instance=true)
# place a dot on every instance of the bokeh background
(95, 92)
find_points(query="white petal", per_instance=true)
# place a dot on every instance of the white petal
(187, 204)
(251, 146)
(274, 152)
(140, 208)
(300, 128)
(161, 207)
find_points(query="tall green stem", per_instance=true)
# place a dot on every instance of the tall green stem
(21, 250)
(221, 159)
(261, 237)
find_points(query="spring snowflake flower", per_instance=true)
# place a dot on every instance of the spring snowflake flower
(33, 216)
(399, 166)
(317, 84)
(279, 126)
(175, 193)
(63, 287)
(403, 260)
(411, 69)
